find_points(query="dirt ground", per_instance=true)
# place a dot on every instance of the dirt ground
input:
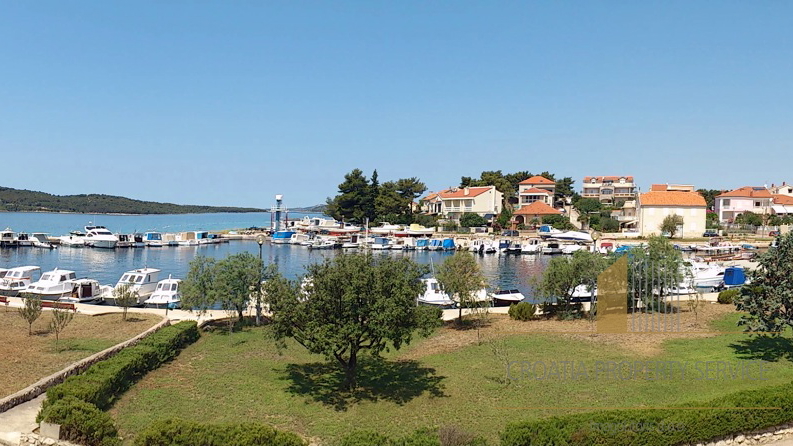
(25, 359)
(682, 324)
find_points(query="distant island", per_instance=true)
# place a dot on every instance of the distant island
(316, 209)
(19, 200)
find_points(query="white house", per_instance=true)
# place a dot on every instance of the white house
(660, 202)
(453, 203)
(536, 188)
(744, 199)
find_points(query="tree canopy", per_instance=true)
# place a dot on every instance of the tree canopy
(564, 274)
(461, 278)
(351, 304)
(768, 300)
(360, 199)
(670, 224)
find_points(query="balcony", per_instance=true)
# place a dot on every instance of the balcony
(458, 209)
(624, 217)
(625, 194)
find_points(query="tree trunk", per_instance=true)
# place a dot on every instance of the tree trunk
(460, 314)
(351, 371)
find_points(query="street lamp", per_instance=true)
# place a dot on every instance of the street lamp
(260, 241)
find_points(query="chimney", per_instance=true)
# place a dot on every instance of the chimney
(466, 191)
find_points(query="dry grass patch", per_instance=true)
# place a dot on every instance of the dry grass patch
(26, 359)
(450, 338)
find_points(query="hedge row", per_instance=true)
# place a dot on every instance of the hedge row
(106, 380)
(770, 406)
(449, 435)
(190, 433)
(79, 401)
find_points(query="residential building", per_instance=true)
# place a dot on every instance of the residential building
(535, 210)
(782, 205)
(609, 190)
(663, 200)
(783, 189)
(453, 203)
(536, 188)
(626, 215)
(744, 199)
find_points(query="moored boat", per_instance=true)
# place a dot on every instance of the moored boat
(166, 295)
(16, 280)
(52, 285)
(100, 237)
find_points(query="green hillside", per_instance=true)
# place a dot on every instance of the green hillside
(18, 200)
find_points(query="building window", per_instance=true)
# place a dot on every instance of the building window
(757, 204)
(725, 202)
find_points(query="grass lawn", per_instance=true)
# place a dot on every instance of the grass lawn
(449, 378)
(26, 359)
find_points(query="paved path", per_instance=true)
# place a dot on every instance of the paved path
(21, 418)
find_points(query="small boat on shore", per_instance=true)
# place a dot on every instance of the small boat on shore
(16, 280)
(84, 291)
(505, 298)
(434, 295)
(52, 285)
(166, 295)
(142, 281)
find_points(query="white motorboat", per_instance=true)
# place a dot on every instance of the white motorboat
(23, 239)
(52, 285)
(282, 237)
(323, 243)
(417, 229)
(153, 239)
(503, 298)
(41, 240)
(354, 241)
(704, 275)
(570, 248)
(166, 295)
(85, 291)
(8, 238)
(584, 292)
(3, 272)
(531, 246)
(301, 238)
(142, 281)
(125, 241)
(479, 298)
(577, 236)
(550, 248)
(434, 295)
(100, 237)
(75, 239)
(326, 225)
(16, 280)
(386, 228)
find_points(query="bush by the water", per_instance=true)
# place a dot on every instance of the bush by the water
(78, 402)
(445, 436)
(523, 311)
(191, 433)
(657, 427)
(728, 296)
(82, 422)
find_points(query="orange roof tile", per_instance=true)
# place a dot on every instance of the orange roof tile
(537, 180)
(537, 208)
(658, 187)
(785, 200)
(747, 192)
(459, 192)
(535, 191)
(672, 198)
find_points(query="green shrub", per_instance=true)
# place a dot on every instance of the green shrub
(445, 436)
(728, 296)
(191, 433)
(81, 422)
(660, 426)
(104, 381)
(523, 311)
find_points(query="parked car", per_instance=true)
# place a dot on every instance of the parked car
(773, 233)
(710, 233)
(510, 233)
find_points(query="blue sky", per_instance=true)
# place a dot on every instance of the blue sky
(229, 103)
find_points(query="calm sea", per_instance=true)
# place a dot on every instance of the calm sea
(505, 271)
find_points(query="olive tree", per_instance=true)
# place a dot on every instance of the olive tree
(60, 319)
(349, 305)
(30, 311)
(670, 224)
(125, 297)
(461, 278)
(564, 274)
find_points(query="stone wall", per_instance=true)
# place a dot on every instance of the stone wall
(43, 384)
(37, 440)
(765, 436)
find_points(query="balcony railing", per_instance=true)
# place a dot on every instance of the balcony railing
(458, 209)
